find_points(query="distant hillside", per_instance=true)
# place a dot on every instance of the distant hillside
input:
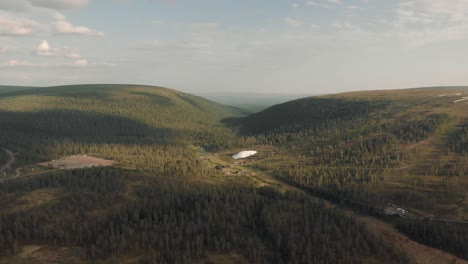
(252, 102)
(323, 111)
(371, 148)
(307, 113)
(107, 114)
(8, 89)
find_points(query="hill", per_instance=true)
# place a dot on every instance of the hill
(8, 89)
(376, 151)
(56, 121)
(175, 195)
(252, 102)
(419, 133)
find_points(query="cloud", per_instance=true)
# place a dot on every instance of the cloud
(203, 26)
(17, 26)
(17, 63)
(77, 60)
(22, 5)
(84, 63)
(3, 49)
(319, 4)
(73, 55)
(59, 4)
(14, 5)
(311, 3)
(80, 63)
(62, 26)
(421, 22)
(292, 22)
(336, 2)
(45, 49)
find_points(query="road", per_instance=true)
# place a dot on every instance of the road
(10, 162)
(435, 219)
(419, 253)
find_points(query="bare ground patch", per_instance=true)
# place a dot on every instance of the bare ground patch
(77, 162)
(46, 254)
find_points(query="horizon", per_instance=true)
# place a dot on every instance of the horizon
(303, 47)
(237, 93)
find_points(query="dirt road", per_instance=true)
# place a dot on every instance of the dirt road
(419, 253)
(11, 160)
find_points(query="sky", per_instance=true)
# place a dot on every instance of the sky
(255, 46)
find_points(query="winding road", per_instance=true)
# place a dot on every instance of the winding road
(11, 161)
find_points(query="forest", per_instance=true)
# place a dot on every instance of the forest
(165, 202)
(177, 221)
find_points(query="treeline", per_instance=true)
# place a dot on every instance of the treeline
(377, 151)
(312, 114)
(451, 237)
(458, 141)
(413, 131)
(178, 222)
(50, 122)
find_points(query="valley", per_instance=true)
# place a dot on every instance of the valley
(149, 175)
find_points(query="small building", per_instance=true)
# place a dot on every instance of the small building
(244, 154)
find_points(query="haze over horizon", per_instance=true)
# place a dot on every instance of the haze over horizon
(283, 46)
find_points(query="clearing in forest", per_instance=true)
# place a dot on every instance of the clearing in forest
(77, 162)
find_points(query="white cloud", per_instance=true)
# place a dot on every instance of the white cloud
(22, 5)
(62, 26)
(17, 63)
(73, 56)
(203, 26)
(326, 4)
(292, 22)
(59, 4)
(81, 63)
(2, 50)
(44, 49)
(336, 2)
(17, 26)
(421, 22)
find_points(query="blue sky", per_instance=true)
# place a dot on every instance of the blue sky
(275, 46)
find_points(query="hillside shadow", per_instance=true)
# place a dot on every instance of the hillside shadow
(78, 126)
(158, 99)
(306, 113)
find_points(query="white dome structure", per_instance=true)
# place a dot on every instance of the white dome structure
(244, 154)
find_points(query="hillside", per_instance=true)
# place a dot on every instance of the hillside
(375, 136)
(56, 121)
(9, 89)
(175, 195)
(376, 151)
(252, 102)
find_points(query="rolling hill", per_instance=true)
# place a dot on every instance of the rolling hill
(55, 121)
(376, 150)
(168, 201)
(418, 133)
